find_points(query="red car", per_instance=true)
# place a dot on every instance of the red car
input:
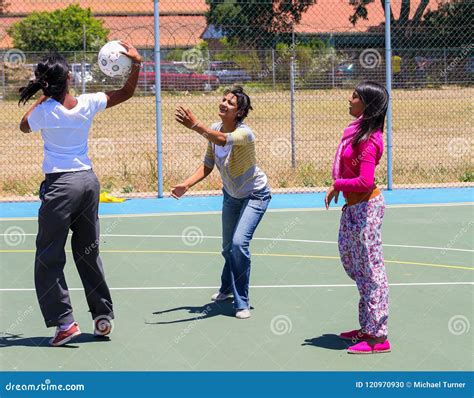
(175, 77)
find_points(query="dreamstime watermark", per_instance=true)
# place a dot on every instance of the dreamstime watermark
(284, 232)
(95, 245)
(458, 147)
(192, 325)
(14, 236)
(14, 56)
(102, 147)
(280, 325)
(193, 58)
(47, 385)
(192, 236)
(458, 236)
(22, 315)
(370, 58)
(458, 325)
(466, 50)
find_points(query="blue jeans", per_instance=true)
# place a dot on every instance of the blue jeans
(240, 218)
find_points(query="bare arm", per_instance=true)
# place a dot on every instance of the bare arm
(187, 119)
(24, 125)
(116, 97)
(200, 174)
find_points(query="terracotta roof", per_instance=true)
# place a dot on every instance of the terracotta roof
(186, 30)
(176, 31)
(112, 7)
(333, 16)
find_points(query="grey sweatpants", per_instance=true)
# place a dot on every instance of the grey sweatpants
(70, 201)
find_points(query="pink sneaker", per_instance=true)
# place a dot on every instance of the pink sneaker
(365, 348)
(354, 335)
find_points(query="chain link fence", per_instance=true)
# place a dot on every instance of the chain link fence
(298, 60)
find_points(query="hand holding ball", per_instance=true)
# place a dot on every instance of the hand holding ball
(112, 59)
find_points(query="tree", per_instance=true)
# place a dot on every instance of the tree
(255, 23)
(451, 24)
(360, 11)
(60, 30)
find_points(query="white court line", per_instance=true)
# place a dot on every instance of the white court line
(252, 287)
(192, 213)
(273, 240)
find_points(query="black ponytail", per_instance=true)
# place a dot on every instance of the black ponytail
(375, 98)
(51, 75)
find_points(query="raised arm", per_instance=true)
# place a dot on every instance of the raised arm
(116, 97)
(187, 119)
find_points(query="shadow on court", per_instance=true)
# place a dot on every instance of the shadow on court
(205, 311)
(15, 340)
(328, 341)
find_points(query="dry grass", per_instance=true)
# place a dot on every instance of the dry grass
(432, 138)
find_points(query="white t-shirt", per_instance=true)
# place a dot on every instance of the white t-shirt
(65, 131)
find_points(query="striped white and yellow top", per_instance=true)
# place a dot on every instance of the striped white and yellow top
(237, 162)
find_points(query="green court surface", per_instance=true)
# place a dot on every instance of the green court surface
(163, 269)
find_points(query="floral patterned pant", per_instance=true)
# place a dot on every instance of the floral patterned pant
(360, 247)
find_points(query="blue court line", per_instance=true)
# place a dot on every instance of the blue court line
(279, 201)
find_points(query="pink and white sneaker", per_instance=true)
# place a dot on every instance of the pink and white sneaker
(365, 348)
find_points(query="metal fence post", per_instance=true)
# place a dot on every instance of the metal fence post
(273, 69)
(388, 73)
(83, 62)
(292, 98)
(157, 60)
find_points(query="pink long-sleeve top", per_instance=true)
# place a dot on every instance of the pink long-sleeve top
(358, 165)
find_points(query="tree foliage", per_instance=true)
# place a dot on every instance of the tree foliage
(60, 30)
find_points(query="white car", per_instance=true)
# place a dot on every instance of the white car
(76, 70)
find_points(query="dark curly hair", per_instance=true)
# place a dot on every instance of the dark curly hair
(50, 76)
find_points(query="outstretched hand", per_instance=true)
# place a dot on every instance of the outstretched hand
(186, 117)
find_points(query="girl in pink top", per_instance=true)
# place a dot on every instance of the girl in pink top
(360, 241)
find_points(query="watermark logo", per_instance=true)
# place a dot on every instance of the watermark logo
(193, 58)
(14, 236)
(103, 325)
(280, 147)
(15, 56)
(192, 236)
(459, 325)
(458, 147)
(370, 58)
(102, 148)
(281, 325)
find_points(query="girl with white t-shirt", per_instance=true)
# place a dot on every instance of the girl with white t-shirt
(70, 193)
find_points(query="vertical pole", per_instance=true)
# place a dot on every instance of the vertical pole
(388, 73)
(273, 69)
(292, 98)
(445, 67)
(83, 63)
(4, 94)
(157, 61)
(333, 54)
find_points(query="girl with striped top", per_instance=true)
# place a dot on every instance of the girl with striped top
(231, 148)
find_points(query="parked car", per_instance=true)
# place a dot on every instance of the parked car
(228, 72)
(176, 77)
(76, 71)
